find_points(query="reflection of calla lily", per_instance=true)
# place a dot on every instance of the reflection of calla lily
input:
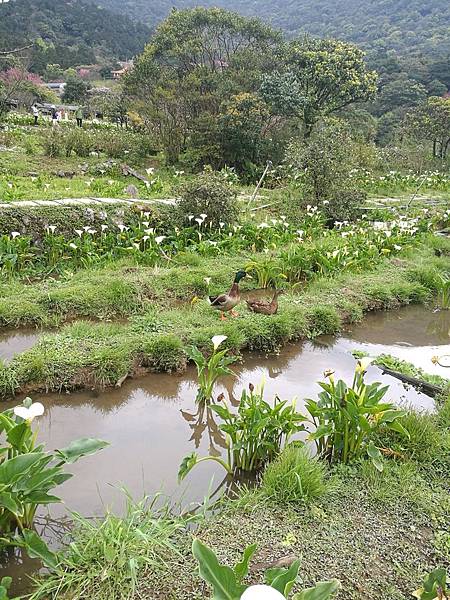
(217, 340)
(28, 414)
(261, 592)
(363, 364)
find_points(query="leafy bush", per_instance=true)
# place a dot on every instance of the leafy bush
(294, 477)
(344, 205)
(210, 195)
(346, 418)
(322, 164)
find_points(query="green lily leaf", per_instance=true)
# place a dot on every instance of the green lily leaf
(321, 591)
(241, 569)
(37, 548)
(79, 448)
(221, 578)
(376, 456)
(187, 464)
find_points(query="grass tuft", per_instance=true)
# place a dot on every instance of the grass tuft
(295, 477)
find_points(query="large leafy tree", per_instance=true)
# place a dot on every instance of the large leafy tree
(196, 60)
(318, 78)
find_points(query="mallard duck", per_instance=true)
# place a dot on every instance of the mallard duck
(226, 302)
(263, 306)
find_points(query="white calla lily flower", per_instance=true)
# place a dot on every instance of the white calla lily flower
(262, 592)
(160, 238)
(217, 340)
(14, 234)
(28, 414)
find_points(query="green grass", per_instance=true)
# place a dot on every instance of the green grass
(406, 368)
(107, 557)
(161, 320)
(294, 477)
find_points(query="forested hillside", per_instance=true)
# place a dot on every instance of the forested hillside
(69, 33)
(408, 26)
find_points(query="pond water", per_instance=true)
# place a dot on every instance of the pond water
(13, 341)
(151, 423)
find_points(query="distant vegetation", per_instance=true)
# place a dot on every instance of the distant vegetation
(68, 33)
(411, 28)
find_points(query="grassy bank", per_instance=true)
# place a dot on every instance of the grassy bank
(378, 533)
(162, 320)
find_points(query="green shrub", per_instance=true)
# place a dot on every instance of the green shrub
(294, 477)
(78, 141)
(207, 194)
(344, 205)
(53, 143)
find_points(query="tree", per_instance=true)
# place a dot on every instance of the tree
(431, 121)
(196, 59)
(399, 93)
(319, 77)
(76, 90)
(18, 86)
(53, 72)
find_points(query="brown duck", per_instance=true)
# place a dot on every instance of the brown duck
(226, 302)
(264, 307)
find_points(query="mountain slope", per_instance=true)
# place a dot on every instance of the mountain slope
(419, 26)
(72, 32)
